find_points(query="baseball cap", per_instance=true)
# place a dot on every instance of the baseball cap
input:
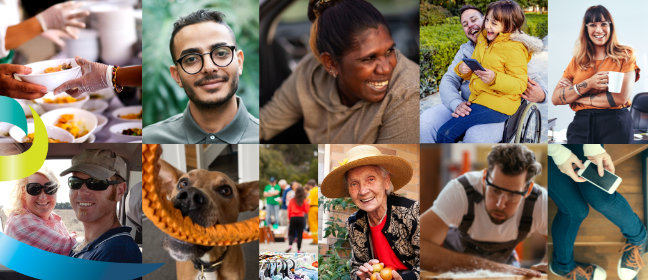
(98, 163)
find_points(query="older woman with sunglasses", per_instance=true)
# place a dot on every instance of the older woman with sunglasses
(31, 219)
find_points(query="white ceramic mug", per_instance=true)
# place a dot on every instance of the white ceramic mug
(615, 81)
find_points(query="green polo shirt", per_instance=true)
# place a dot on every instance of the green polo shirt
(272, 199)
(183, 129)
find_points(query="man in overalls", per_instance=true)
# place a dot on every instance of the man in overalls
(479, 218)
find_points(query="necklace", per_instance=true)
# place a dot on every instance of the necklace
(597, 68)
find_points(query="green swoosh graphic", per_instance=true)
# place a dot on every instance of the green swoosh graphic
(16, 167)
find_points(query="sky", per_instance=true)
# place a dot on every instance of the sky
(565, 19)
(56, 165)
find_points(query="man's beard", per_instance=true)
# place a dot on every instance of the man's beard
(215, 104)
(498, 221)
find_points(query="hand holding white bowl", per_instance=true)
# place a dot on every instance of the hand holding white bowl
(13, 88)
(94, 77)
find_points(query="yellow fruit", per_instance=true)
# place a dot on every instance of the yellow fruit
(386, 273)
(377, 267)
(374, 276)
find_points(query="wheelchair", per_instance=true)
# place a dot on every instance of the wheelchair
(525, 126)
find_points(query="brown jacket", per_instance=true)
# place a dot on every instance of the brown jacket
(310, 92)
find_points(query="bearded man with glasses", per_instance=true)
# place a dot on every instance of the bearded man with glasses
(96, 185)
(207, 64)
(479, 218)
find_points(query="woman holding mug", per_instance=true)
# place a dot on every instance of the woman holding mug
(601, 116)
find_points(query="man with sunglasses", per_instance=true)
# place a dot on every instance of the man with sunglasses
(96, 185)
(479, 218)
(207, 64)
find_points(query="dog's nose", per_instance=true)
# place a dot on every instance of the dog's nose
(189, 199)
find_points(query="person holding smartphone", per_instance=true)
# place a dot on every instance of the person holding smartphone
(573, 195)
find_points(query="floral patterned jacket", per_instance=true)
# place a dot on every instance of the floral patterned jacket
(401, 230)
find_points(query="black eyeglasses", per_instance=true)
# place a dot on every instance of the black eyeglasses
(76, 183)
(36, 188)
(513, 196)
(193, 63)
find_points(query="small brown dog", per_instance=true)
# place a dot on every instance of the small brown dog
(208, 198)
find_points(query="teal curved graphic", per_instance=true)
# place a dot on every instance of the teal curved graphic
(16, 167)
(20, 257)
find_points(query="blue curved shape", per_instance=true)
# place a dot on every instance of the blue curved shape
(12, 113)
(41, 264)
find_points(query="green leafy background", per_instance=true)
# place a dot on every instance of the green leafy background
(162, 97)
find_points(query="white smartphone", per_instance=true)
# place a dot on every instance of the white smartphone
(609, 182)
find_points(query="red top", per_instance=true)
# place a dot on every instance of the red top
(295, 210)
(382, 251)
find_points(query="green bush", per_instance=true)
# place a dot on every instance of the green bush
(537, 25)
(432, 14)
(439, 44)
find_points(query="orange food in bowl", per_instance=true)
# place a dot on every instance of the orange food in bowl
(64, 66)
(132, 116)
(65, 122)
(61, 100)
(30, 139)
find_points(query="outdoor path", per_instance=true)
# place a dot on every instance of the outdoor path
(538, 62)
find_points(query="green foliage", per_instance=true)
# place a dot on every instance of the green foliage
(162, 97)
(289, 162)
(432, 14)
(439, 44)
(482, 4)
(63, 205)
(332, 266)
(537, 25)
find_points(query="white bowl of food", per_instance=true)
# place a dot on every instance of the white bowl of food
(101, 122)
(80, 123)
(96, 106)
(128, 114)
(4, 129)
(127, 131)
(52, 73)
(55, 134)
(91, 139)
(104, 94)
(51, 102)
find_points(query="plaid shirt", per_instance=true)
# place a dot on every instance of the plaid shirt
(49, 235)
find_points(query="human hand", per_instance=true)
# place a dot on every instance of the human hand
(57, 36)
(365, 270)
(63, 16)
(598, 81)
(567, 168)
(542, 267)
(464, 69)
(564, 82)
(462, 110)
(13, 88)
(602, 160)
(516, 270)
(533, 92)
(486, 76)
(94, 78)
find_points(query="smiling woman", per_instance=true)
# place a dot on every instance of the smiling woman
(355, 87)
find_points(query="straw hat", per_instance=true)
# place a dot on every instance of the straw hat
(400, 170)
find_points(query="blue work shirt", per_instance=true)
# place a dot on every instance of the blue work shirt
(115, 245)
(283, 198)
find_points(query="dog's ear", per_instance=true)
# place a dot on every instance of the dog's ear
(249, 196)
(169, 176)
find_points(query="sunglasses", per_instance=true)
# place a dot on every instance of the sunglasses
(76, 183)
(35, 189)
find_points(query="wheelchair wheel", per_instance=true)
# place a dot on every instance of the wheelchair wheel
(530, 125)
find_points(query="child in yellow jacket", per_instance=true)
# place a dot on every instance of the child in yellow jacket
(504, 51)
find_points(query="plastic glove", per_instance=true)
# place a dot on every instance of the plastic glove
(93, 78)
(602, 160)
(62, 16)
(58, 36)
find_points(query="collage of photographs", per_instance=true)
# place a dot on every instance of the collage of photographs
(173, 139)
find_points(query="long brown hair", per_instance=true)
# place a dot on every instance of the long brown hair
(508, 13)
(585, 51)
(300, 195)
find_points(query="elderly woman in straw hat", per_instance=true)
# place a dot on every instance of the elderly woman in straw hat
(386, 228)
(31, 217)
